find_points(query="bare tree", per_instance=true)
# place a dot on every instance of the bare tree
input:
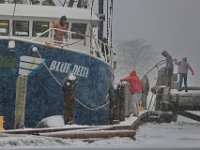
(134, 55)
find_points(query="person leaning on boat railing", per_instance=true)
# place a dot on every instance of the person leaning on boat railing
(61, 25)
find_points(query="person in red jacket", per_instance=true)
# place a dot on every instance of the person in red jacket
(135, 89)
(62, 25)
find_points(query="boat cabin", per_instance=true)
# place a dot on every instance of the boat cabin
(33, 22)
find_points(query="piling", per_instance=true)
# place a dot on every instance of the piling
(68, 87)
(21, 89)
(121, 105)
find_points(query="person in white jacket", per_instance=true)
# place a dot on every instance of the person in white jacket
(183, 67)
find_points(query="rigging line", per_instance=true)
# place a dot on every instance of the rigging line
(94, 109)
(64, 3)
(13, 16)
(61, 3)
(48, 68)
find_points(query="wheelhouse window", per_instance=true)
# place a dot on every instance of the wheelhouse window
(39, 27)
(20, 28)
(4, 27)
(78, 28)
(13, 1)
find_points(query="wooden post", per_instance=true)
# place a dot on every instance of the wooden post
(159, 97)
(145, 84)
(175, 108)
(122, 103)
(128, 104)
(20, 103)
(112, 106)
(116, 104)
(68, 87)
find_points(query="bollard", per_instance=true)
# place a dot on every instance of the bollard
(112, 106)
(1, 123)
(68, 87)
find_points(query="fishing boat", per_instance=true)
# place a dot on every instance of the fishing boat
(30, 55)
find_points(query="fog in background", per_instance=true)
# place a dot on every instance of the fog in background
(172, 25)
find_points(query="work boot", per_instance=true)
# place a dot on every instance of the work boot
(179, 89)
(186, 89)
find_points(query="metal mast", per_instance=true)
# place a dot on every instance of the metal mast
(102, 18)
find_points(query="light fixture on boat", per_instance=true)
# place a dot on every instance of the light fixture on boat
(35, 49)
(11, 45)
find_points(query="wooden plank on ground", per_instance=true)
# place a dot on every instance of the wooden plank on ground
(92, 134)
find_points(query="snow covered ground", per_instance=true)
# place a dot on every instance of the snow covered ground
(185, 133)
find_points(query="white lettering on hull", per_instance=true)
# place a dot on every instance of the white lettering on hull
(67, 68)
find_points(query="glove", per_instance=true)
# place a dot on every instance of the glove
(192, 72)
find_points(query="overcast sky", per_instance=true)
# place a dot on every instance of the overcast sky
(172, 25)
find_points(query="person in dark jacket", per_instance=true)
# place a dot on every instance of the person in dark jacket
(183, 67)
(169, 66)
(135, 90)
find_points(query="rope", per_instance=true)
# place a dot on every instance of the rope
(48, 68)
(89, 108)
(61, 3)
(64, 3)
(13, 15)
(93, 109)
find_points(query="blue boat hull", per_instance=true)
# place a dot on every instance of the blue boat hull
(44, 95)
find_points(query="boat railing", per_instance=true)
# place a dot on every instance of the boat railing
(78, 42)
